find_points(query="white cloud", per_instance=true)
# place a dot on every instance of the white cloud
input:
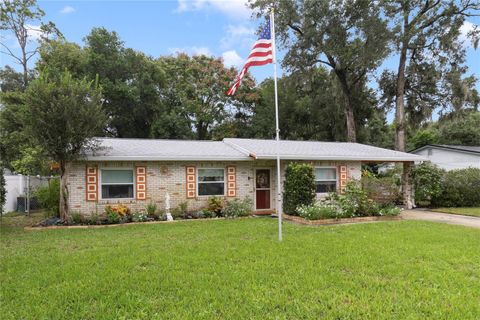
(232, 59)
(194, 51)
(34, 32)
(67, 10)
(237, 36)
(233, 8)
(465, 29)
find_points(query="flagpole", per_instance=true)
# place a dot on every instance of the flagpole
(277, 129)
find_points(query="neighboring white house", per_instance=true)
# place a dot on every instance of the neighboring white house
(450, 157)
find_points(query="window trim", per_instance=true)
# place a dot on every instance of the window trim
(336, 178)
(211, 195)
(100, 181)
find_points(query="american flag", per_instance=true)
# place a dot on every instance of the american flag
(260, 55)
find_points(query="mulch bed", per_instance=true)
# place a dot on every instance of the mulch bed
(95, 226)
(322, 222)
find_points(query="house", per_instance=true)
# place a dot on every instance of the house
(135, 172)
(450, 157)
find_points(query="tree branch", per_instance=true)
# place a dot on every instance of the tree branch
(296, 28)
(10, 53)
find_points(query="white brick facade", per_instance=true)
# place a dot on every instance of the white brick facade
(168, 176)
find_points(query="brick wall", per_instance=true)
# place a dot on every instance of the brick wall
(163, 177)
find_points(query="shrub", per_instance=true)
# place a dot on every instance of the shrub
(383, 190)
(216, 204)
(299, 188)
(139, 217)
(318, 211)
(427, 182)
(355, 202)
(49, 196)
(94, 219)
(389, 211)
(151, 209)
(113, 218)
(181, 211)
(461, 188)
(238, 208)
(207, 213)
(121, 210)
(76, 218)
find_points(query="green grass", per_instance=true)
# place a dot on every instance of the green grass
(236, 269)
(466, 211)
(16, 219)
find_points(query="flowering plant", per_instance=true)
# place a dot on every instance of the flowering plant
(121, 210)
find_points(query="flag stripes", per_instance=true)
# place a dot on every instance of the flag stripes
(261, 54)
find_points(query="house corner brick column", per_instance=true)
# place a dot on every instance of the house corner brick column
(141, 182)
(191, 181)
(91, 179)
(231, 181)
(343, 177)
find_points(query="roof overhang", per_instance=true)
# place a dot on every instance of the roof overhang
(342, 158)
(433, 146)
(159, 158)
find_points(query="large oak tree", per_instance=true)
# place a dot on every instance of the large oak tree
(348, 37)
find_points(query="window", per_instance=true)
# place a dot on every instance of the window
(326, 180)
(117, 184)
(211, 182)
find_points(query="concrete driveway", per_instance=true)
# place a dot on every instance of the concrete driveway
(441, 217)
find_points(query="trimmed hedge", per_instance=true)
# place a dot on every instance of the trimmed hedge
(461, 188)
(299, 188)
(428, 182)
(439, 188)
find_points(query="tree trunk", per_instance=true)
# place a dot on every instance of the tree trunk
(25, 73)
(399, 101)
(407, 185)
(63, 191)
(349, 114)
(350, 118)
(202, 131)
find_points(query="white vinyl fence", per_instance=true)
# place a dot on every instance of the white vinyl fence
(17, 186)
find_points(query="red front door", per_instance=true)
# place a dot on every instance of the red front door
(262, 189)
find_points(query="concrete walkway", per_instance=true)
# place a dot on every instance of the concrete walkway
(441, 217)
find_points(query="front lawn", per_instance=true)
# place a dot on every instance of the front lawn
(466, 211)
(236, 269)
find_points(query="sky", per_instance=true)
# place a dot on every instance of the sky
(213, 27)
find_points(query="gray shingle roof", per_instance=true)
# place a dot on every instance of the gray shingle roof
(475, 149)
(241, 150)
(160, 149)
(316, 150)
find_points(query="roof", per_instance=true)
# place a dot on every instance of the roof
(469, 149)
(316, 150)
(161, 149)
(115, 149)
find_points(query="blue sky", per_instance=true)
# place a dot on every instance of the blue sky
(214, 27)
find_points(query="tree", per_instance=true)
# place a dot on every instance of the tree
(131, 83)
(20, 17)
(349, 37)
(195, 95)
(65, 114)
(11, 80)
(460, 129)
(320, 112)
(426, 37)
